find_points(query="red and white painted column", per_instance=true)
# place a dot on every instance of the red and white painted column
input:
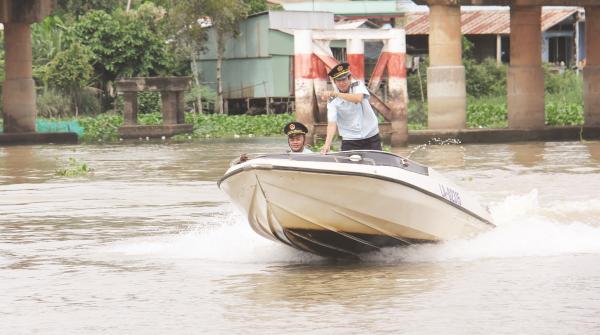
(356, 58)
(397, 87)
(379, 69)
(304, 75)
(323, 61)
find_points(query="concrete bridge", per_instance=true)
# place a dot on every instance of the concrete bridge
(446, 74)
(525, 78)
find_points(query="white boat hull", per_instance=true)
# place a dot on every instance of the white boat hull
(336, 209)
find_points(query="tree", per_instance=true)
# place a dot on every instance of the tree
(187, 37)
(256, 6)
(123, 44)
(78, 8)
(48, 39)
(70, 72)
(224, 15)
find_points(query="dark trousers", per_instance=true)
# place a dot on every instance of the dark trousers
(371, 143)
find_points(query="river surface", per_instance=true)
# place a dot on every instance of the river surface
(148, 244)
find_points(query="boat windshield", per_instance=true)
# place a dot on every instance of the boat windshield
(364, 157)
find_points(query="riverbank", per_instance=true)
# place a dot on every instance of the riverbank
(486, 121)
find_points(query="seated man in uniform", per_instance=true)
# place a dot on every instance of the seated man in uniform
(296, 133)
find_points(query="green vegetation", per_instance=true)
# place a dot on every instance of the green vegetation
(87, 45)
(74, 168)
(103, 128)
(80, 51)
(564, 97)
(70, 73)
(486, 92)
(224, 126)
(486, 112)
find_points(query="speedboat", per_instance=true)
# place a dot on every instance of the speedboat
(351, 202)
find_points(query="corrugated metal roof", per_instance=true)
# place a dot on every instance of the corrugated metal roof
(300, 20)
(483, 22)
(350, 8)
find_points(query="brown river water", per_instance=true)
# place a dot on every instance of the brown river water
(148, 244)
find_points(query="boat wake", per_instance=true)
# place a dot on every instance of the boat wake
(232, 240)
(525, 228)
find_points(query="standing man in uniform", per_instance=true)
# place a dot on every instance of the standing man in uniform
(350, 113)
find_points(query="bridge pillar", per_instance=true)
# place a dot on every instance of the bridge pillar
(446, 90)
(591, 71)
(18, 92)
(19, 88)
(525, 80)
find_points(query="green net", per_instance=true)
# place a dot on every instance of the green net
(54, 126)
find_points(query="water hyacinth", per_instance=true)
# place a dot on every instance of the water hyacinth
(74, 168)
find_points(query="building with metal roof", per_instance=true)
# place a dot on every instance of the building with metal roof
(489, 29)
(258, 65)
(357, 9)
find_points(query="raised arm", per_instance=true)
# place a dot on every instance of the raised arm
(351, 97)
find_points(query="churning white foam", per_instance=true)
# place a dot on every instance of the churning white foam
(525, 228)
(230, 241)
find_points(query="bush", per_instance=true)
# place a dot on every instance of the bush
(222, 125)
(102, 128)
(53, 104)
(417, 113)
(485, 79)
(149, 102)
(563, 113)
(70, 72)
(203, 92)
(414, 85)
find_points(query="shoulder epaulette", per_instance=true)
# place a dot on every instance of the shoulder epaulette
(354, 84)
